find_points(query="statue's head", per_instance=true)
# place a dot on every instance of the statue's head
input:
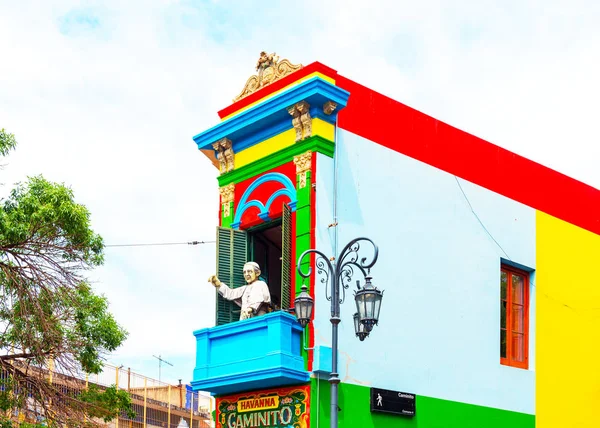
(251, 272)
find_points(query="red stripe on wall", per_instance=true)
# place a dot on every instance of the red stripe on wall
(313, 244)
(315, 67)
(410, 132)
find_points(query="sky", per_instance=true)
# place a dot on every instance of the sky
(106, 96)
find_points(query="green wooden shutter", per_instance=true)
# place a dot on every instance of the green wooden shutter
(286, 258)
(232, 254)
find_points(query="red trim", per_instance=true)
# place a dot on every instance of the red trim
(508, 361)
(262, 193)
(294, 258)
(313, 244)
(220, 215)
(406, 130)
(315, 67)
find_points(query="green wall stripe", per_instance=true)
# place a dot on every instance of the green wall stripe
(315, 143)
(354, 400)
(303, 221)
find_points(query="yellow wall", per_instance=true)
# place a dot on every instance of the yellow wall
(568, 325)
(281, 141)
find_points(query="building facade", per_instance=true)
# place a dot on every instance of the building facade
(154, 403)
(490, 265)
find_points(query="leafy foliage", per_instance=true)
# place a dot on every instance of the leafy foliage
(49, 314)
(104, 403)
(7, 142)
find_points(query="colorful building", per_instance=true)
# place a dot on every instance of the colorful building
(490, 264)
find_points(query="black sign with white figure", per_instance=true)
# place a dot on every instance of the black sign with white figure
(396, 402)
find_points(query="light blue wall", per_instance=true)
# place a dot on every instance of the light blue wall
(439, 327)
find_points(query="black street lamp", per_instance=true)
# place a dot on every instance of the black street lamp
(368, 300)
(359, 328)
(368, 304)
(303, 306)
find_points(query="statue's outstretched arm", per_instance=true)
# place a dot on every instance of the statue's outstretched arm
(231, 293)
(214, 281)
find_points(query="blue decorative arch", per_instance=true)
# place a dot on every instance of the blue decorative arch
(288, 190)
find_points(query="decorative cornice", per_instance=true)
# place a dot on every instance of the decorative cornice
(316, 143)
(271, 117)
(314, 67)
(269, 69)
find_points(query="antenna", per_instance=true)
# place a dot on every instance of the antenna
(160, 361)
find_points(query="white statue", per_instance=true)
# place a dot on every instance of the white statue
(250, 297)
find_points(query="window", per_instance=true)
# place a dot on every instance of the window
(271, 247)
(514, 317)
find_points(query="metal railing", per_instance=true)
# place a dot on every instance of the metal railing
(155, 403)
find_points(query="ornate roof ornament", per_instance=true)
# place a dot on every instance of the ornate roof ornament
(270, 69)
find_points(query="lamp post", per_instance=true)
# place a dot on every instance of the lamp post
(341, 272)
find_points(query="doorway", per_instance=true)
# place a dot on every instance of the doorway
(266, 249)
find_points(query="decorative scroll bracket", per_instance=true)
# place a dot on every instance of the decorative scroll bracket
(329, 107)
(301, 120)
(225, 155)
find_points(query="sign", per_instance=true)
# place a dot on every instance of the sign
(396, 402)
(282, 407)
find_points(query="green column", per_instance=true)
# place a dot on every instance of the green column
(226, 220)
(227, 197)
(303, 238)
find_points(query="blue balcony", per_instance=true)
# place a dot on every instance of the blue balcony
(258, 353)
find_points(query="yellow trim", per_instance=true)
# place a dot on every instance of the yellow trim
(324, 129)
(281, 141)
(567, 293)
(305, 78)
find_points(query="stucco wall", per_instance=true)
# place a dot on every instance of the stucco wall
(439, 326)
(568, 342)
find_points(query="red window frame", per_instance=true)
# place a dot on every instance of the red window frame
(514, 325)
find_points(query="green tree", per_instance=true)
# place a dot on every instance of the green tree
(49, 315)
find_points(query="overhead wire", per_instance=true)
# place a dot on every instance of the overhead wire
(576, 310)
(478, 219)
(154, 244)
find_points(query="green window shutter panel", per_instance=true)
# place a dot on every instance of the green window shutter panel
(232, 253)
(286, 258)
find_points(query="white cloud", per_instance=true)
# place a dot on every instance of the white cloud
(111, 111)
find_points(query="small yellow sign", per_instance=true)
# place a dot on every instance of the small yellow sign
(262, 403)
